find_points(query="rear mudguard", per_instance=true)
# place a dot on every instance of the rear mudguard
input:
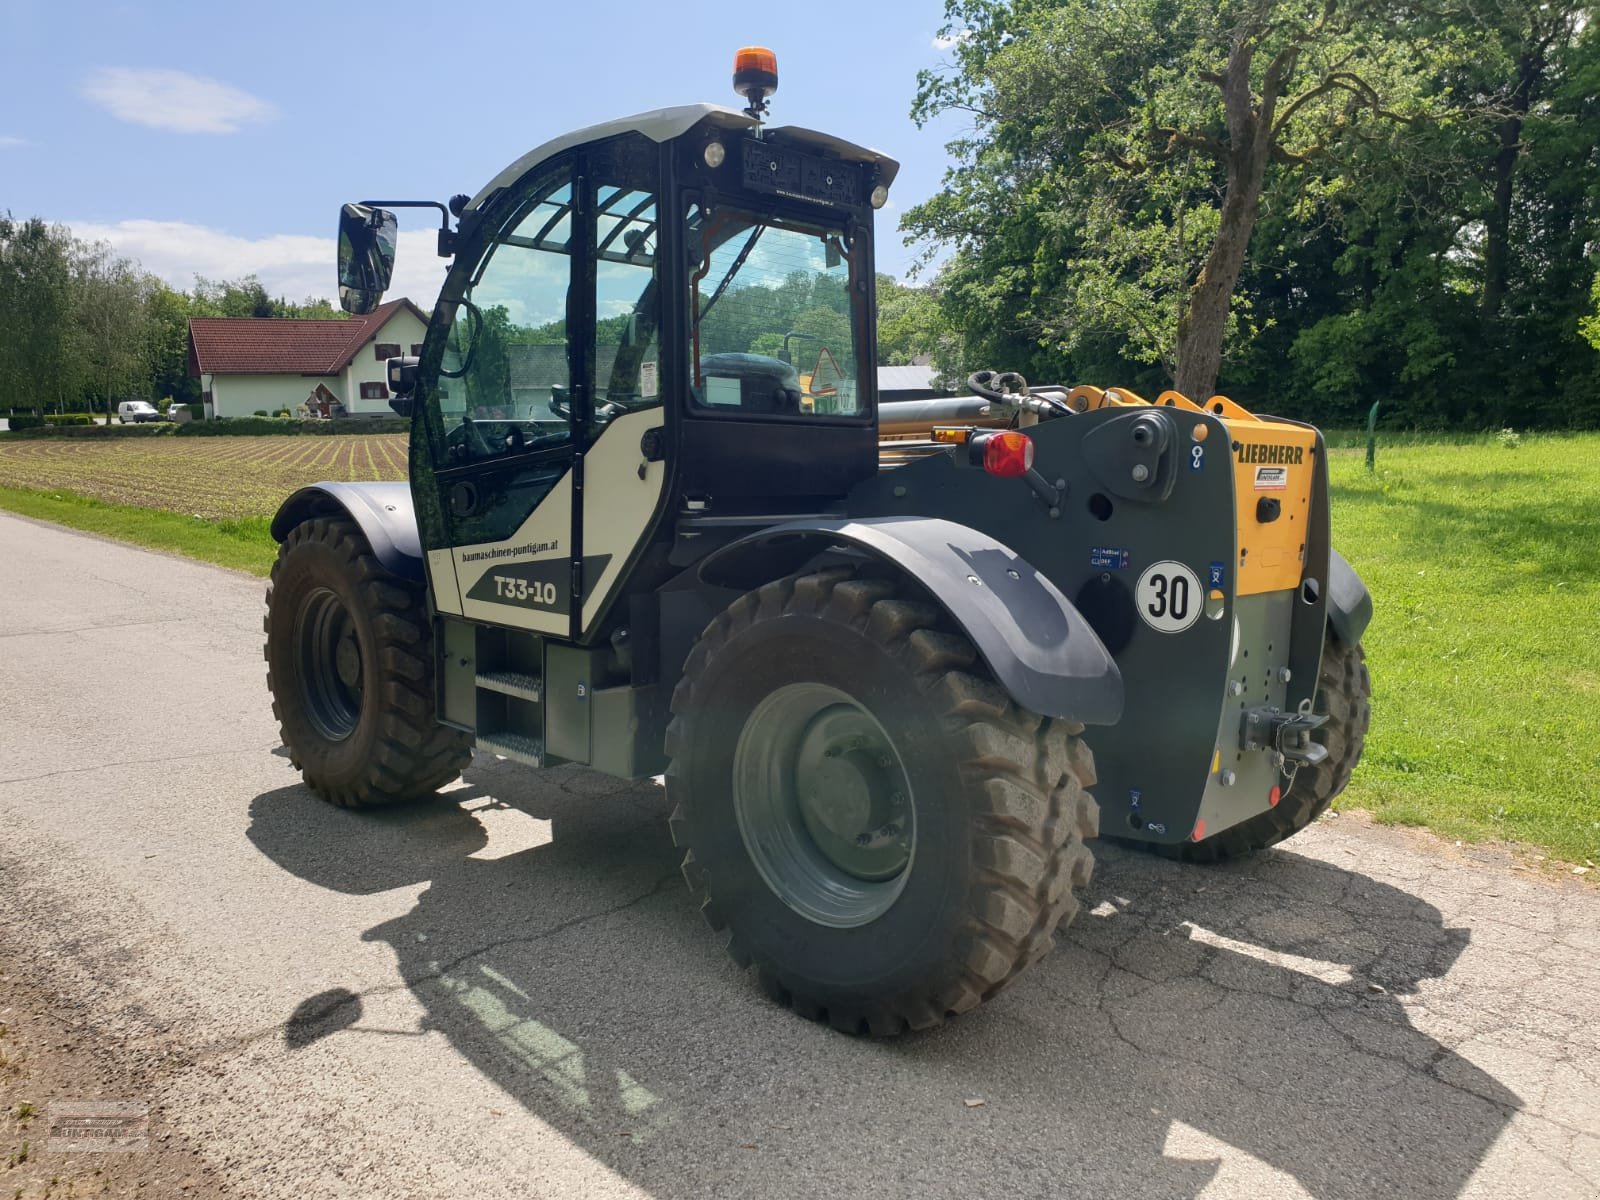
(1349, 603)
(383, 511)
(1035, 641)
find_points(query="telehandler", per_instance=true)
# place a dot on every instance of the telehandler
(657, 522)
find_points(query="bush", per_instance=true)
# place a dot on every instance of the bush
(260, 412)
(59, 419)
(19, 421)
(230, 427)
(282, 414)
(197, 410)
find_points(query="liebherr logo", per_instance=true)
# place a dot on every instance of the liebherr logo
(1271, 452)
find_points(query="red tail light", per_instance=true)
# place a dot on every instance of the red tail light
(1008, 454)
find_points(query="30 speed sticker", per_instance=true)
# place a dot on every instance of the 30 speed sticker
(1168, 597)
(1272, 479)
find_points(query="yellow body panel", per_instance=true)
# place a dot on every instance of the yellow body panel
(1271, 460)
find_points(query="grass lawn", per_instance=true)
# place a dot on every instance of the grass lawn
(1483, 558)
(1484, 564)
(242, 543)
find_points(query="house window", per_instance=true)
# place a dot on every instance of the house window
(385, 350)
(374, 391)
(416, 349)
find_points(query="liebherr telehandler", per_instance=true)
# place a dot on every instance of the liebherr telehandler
(658, 522)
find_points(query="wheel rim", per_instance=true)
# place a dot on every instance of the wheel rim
(331, 667)
(824, 805)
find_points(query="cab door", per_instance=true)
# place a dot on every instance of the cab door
(548, 381)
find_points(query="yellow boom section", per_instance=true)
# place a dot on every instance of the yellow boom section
(1272, 461)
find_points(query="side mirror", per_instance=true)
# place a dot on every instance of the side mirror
(402, 376)
(366, 256)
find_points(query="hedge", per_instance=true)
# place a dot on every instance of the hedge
(68, 419)
(230, 427)
(25, 421)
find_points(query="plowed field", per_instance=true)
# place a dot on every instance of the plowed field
(211, 477)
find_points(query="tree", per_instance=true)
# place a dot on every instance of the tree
(1133, 142)
(113, 313)
(910, 323)
(167, 331)
(38, 366)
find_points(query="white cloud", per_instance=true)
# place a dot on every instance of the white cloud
(173, 100)
(945, 41)
(7, 141)
(293, 266)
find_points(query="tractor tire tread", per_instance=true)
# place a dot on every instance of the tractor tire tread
(412, 754)
(1027, 779)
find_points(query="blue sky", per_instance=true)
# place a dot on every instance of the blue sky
(219, 138)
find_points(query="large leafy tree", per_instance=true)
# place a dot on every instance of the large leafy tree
(39, 363)
(1121, 151)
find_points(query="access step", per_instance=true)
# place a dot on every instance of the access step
(519, 747)
(512, 683)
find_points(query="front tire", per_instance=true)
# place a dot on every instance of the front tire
(350, 666)
(941, 830)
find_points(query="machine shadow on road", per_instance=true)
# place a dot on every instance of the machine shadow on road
(1263, 1006)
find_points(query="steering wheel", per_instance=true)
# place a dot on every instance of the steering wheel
(561, 406)
(467, 440)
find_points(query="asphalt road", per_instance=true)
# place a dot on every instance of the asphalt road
(510, 994)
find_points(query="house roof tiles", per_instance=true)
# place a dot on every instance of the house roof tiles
(282, 346)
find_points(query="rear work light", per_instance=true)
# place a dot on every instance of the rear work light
(1007, 454)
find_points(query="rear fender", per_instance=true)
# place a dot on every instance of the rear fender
(1037, 644)
(1349, 602)
(383, 511)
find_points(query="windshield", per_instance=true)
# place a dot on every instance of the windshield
(772, 328)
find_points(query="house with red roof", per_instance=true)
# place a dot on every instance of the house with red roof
(263, 364)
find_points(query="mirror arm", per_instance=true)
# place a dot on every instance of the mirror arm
(447, 236)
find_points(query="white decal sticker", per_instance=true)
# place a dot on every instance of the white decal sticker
(1272, 479)
(1169, 597)
(647, 380)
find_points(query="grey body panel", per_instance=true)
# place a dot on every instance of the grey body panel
(1349, 602)
(383, 511)
(1154, 764)
(1261, 649)
(1038, 645)
(664, 124)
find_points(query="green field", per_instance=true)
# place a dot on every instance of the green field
(1483, 556)
(1484, 564)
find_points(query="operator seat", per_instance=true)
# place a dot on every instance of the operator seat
(766, 385)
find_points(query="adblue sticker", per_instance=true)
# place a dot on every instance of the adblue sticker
(1112, 558)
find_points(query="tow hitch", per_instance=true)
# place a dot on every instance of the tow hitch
(1286, 735)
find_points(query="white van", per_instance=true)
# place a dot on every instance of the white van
(131, 412)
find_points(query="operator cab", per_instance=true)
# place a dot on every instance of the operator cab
(664, 315)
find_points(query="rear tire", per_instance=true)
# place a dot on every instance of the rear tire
(350, 666)
(1344, 693)
(994, 798)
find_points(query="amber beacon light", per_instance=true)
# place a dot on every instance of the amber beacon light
(755, 76)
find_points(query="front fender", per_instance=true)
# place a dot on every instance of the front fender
(1037, 644)
(1349, 602)
(383, 511)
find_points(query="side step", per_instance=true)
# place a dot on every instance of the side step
(512, 683)
(519, 747)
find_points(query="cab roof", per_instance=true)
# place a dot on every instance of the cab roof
(664, 124)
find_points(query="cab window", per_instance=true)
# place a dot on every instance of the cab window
(506, 373)
(772, 329)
